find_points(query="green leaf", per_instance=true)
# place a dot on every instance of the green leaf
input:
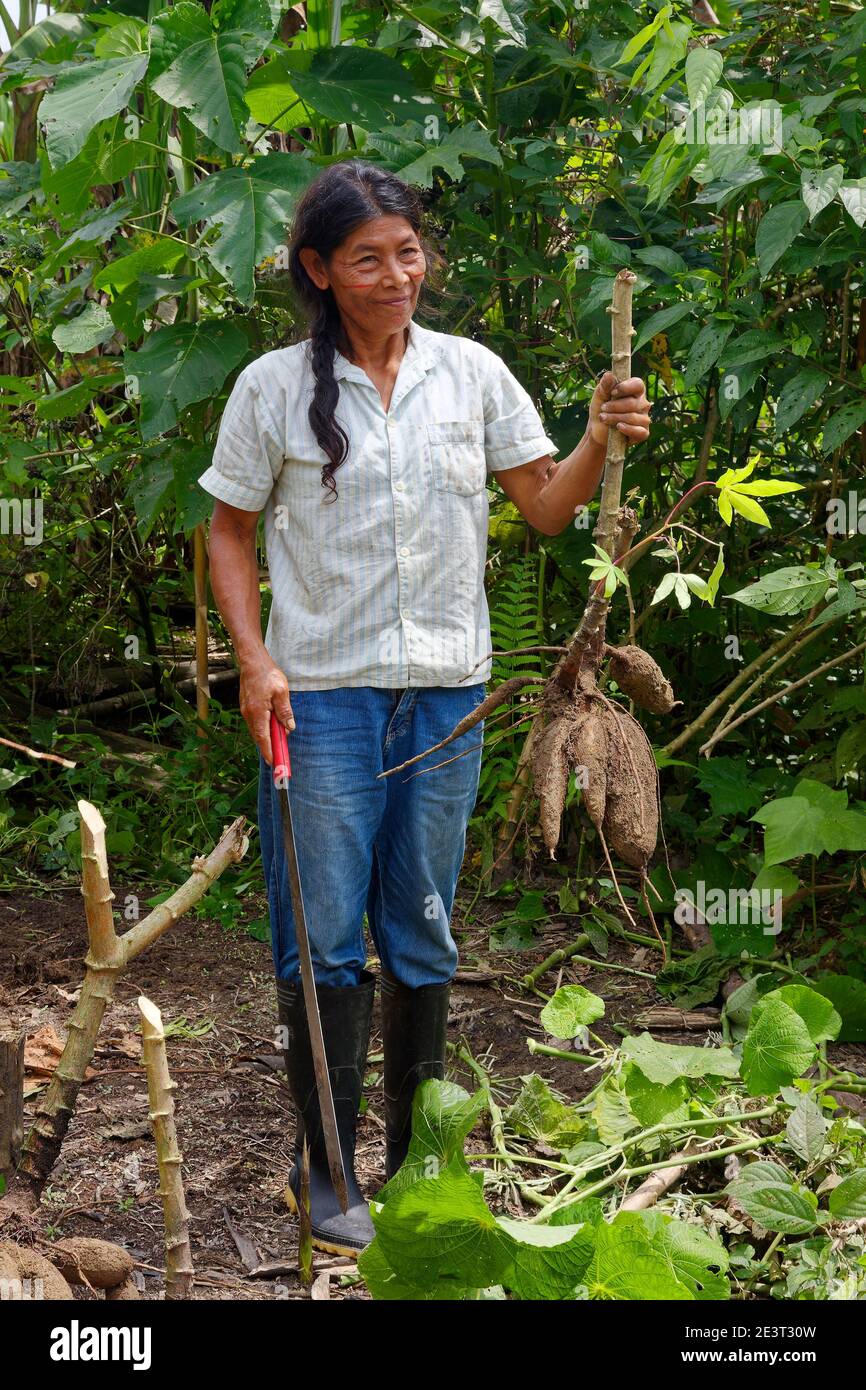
(790, 590)
(705, 350)
(663, 258)
(819, 187)
(665, 1062)
(651, 1103)
(64, 405)
(181, 364)
(715, 577)
(852, 195)
(384, 1284)
(659, 322)
(847, 1201)
(703, 70)
(761, 1172)
(440, 1231)
(249, 208)
(778, 1207)
(668, 50)
(571, 1008)
(753, 346)
(806, 1130)
(82, 98)
(694, 1257)
(776, 231)
(442, 1116)
(841, 425)
(202, 69)
(694, 980)
(850, 750)
(627, 1265)
(347, 85)
(810, 822)
(151, 488)
(537, 1114)
(776, 1049)
(192, 504)
(547, 1262)
(728, 783)
(848, 997)
(120, 274)
(821, 1019)
(92, 326)
(643, 36)
(798, 395)
(463, 142)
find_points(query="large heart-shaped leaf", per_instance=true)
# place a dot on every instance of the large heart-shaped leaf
(249, 208)
(441, 1230)
(179, 365)
(349, 84)
(82, 98)
(442, 1116)
(776, 1049)
(626, 1264)
(201, 68)
(665, 1062)
(695, 1258)
(571, 1008)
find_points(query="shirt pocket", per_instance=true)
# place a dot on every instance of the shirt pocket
(457, 456)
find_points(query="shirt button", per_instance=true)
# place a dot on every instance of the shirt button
(390, 423)
(398, 487)
(404, 550)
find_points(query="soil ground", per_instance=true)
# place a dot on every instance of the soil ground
(232, 1106)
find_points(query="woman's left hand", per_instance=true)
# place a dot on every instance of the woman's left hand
(622, 405)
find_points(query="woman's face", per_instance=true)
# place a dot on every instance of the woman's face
(375, 274)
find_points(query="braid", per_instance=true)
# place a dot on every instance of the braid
(332, 438)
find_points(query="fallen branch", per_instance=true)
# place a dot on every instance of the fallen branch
(657, 1184)
(35, 753)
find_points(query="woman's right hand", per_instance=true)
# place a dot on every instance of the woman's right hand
(264, 688)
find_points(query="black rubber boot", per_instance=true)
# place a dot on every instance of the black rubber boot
(346, 1015)
(414, 1030)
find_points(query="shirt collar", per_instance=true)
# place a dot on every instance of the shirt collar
(422, 349)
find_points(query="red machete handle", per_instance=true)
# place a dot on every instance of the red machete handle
(280, 749)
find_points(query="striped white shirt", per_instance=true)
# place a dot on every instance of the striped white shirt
(383, 586)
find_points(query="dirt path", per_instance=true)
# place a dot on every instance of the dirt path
(233, 1109)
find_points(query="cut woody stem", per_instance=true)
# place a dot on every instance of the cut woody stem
(178, 1255)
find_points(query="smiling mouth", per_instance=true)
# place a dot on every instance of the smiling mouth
(394, 303)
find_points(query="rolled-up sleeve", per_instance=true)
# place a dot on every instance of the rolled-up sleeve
(514, 432)
(249, 452)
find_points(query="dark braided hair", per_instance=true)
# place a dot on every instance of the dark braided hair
(338, 200)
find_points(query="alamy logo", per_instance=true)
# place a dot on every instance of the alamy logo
(734, 906)
(22, 516)
(21, 1290)
(77, 1343)
(755, 125)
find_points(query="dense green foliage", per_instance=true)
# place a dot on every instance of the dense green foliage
(152, 157)
(657, 1105)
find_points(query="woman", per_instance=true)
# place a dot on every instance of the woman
(378, 641)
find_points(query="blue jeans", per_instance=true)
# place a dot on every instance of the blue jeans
(392, 847)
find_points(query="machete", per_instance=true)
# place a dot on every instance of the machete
(282, 773)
